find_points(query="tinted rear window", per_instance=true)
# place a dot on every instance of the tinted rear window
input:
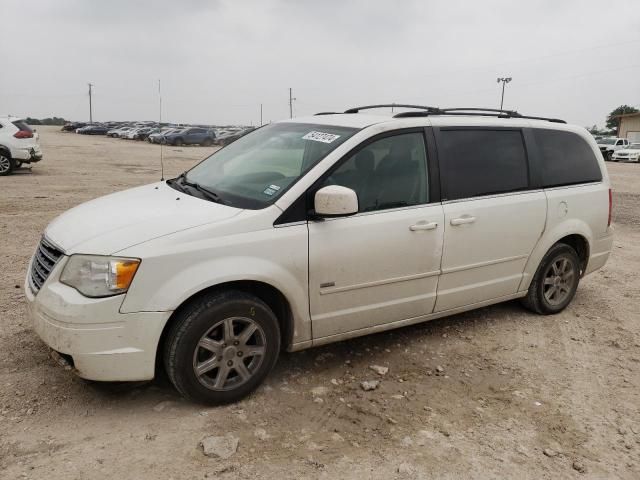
(482, 162)
(566, 158)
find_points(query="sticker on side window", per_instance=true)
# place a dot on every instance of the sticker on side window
(320, 137)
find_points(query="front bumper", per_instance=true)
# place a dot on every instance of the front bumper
(104, 344)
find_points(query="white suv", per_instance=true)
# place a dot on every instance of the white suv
(318, 229)
(18, 144)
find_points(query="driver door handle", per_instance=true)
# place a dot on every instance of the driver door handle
(423, 226)
(462, 220)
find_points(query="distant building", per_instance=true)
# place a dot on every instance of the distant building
(630, 127)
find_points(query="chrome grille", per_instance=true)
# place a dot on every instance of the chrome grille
(44, 260)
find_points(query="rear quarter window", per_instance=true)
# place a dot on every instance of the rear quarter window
(565, 158)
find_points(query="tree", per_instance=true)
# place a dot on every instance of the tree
(613, 122)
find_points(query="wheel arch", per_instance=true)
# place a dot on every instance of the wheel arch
(269, 294)
(576, 234)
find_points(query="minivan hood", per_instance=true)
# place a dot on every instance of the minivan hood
(111, 223)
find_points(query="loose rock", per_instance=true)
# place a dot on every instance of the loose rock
(579, 467)
(550, 452)
(379, 369)
(220, 447)
(368, 385)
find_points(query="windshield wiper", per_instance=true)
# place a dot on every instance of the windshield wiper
(210, 194)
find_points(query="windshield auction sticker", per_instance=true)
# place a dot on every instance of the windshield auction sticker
(321, 137)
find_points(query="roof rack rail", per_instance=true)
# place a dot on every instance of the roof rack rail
(391, 105)
(325, 113)
(479, 112)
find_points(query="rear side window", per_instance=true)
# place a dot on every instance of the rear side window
(566, 158)
(482, 162)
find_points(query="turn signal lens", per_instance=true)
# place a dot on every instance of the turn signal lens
(124, 271)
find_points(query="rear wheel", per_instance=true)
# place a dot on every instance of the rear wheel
(7, 164)
(555, 282)
(206, 142)
(222, 347)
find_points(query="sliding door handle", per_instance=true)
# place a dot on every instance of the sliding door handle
(462, 220)
(423, 226)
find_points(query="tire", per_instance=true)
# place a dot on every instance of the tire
(7, 164)
(206, 322)
(178, 142)
(610, 156)
(206, 142)
(18, 163)
(555, 282)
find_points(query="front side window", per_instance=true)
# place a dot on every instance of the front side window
(482, 162)
(387, 173)
(566, 158)
(256, 169)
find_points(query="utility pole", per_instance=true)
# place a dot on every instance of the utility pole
(260, 114)
(291, 99)
(504, 81)
(90, 108)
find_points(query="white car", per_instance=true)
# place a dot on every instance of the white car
(631, 153)
(18, 144)
(313, 230)
(609, 145)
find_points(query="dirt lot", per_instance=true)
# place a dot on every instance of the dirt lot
(495, 393)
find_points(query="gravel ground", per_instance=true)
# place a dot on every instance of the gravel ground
(494, 393)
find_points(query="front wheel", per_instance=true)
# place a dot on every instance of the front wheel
(222, 347)
(555, 282)
(178, 142)
(610, 156)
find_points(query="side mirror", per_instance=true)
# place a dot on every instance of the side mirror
(335, 201)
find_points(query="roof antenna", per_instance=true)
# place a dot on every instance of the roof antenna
(160, 130)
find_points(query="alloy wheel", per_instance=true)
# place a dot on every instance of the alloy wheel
(229, 353)
(559, 280)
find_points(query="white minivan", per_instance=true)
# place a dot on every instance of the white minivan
(318, 229)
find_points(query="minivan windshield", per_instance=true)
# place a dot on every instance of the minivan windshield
(256, 169)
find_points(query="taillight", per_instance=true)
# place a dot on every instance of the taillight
(23, 134)
(610, 208)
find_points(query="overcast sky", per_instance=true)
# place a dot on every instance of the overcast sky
(219, 60)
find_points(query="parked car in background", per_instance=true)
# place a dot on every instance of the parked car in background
(115, 132)
(191, 136)
(318, 229)
(143, 133)
(610, 144)
(232, 137)
(93, 130)
(158, 137)
(73, 126)
(631, 153)
(18, 144)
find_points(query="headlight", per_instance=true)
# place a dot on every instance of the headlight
(99, 276)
